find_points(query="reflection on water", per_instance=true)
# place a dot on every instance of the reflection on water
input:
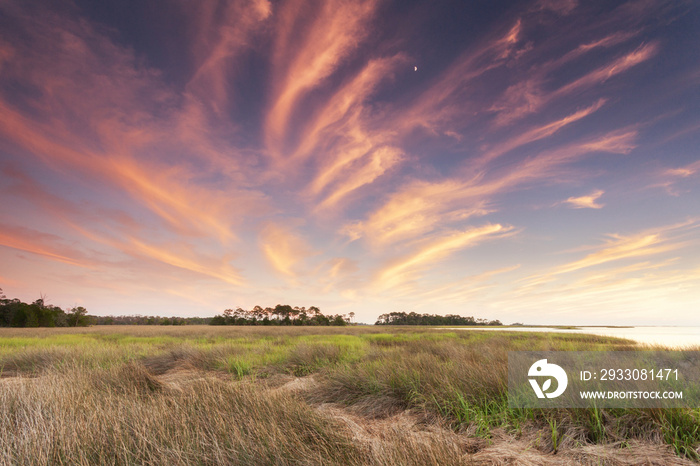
(673, 337)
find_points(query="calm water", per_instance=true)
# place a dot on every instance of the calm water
(675, 337)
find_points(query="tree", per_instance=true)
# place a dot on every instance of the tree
(240, 315)
(314, 314)
(77, 317)
(338, 320)
(303, 317)
(258, 313)
(284, 312)
(218, 320)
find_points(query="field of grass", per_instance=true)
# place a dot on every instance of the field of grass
(309, 395)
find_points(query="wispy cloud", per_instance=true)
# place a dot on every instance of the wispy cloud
(635, 292)
(222, 33)
(618, 248)
(344, 110)
(372, 167)
(586, 202)
(626, 247)
(455, 291)
(538, 133)
(103, 128)
(449, 102)
(529, 96)
(408, 267)
(188, 260)
(302, 62)
(349, 149)
(419, 207)
(686, 171)
(672, 180)
(285, 250)
(42, 244)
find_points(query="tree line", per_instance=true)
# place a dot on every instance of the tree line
(412, 318)
(150, 320)
(15, 313)
(281, 314)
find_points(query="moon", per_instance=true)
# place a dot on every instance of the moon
(415, 68)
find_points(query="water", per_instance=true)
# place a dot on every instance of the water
(672, 337)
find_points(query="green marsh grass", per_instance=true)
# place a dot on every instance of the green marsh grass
(105, 395)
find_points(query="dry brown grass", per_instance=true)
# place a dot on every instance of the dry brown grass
(127, 416)
(212, 395)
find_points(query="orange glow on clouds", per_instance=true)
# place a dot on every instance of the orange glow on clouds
(360, 156)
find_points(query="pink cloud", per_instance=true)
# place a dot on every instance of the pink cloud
(410, 266)
(528, 96)
(302, 63)
(221, 34)
(284, 250)
(42, 244)
(589, 201)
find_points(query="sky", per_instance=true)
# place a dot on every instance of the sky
(529, 161)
